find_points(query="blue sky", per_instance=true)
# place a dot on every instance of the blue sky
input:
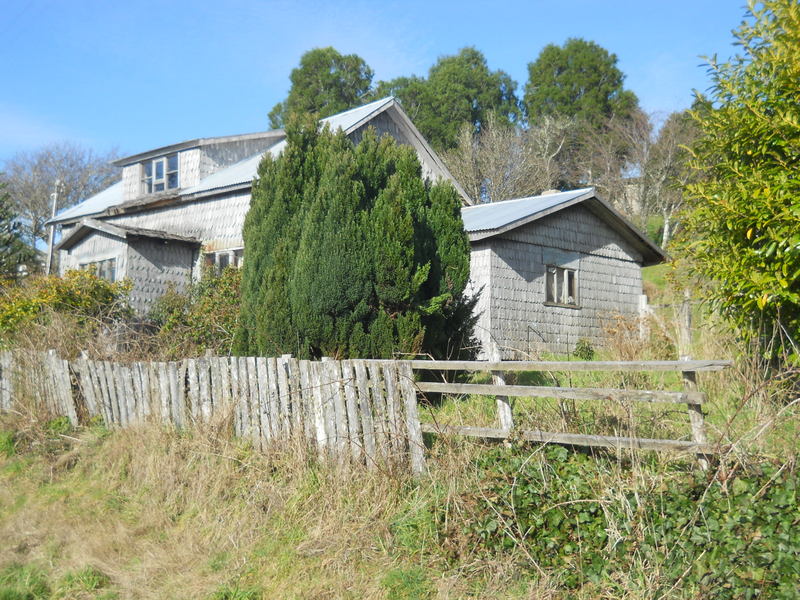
(141, 74)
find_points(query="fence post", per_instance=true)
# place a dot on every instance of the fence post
(504, 413)
(696, 417)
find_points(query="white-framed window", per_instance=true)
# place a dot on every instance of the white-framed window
(160, 174)
(222, 259)
(104, 269)
(561, 286)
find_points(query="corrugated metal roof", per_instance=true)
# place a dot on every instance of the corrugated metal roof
(496, 215)
(111, 196)
(245, 171)
(239, 173)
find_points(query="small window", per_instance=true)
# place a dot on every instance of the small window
(561, 286)
(160, 174)
(104, 269)
(222, 259)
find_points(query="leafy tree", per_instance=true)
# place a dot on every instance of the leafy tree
(325, 83)
(742, 230)
(31, 178)
(349, 252)
(13, 250)
(459, 89)
(579, 79)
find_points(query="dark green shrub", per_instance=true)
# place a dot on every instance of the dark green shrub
(349, 252)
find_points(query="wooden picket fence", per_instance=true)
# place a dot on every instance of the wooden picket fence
(362, 410)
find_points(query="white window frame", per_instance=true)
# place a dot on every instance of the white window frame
(559, 282)
(150, 181)
(221, 259)
(98, 266)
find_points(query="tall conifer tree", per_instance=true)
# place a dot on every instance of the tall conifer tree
(350, 253)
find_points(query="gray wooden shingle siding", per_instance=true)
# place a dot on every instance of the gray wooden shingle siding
(96, 247)
(218, 221)
(158, 266)
(511, 270)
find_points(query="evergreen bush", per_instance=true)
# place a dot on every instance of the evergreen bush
(349, 252)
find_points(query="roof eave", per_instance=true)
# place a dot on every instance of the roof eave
(195, 143)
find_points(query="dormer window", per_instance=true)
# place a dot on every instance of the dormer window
(160, 174)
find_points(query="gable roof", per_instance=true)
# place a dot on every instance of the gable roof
(87, 226)
(240, 175)
(485, 221)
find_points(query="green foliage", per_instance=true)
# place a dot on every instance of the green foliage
(29, 582)
(325, 83)
(348, 252)
(459, 89)
(23, 582)
(737, 539)
(407, 584)
(742, 230)
(13, 249)
(235, 592)
(81, 294)
(584, 349)
(579, 79)
(204, 318)
(8, 444)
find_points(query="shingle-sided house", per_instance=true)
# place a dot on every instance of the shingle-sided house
(552, 268)
(179, 206)
(549, 266)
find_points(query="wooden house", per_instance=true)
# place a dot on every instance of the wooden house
(180, 206)
(549, 267)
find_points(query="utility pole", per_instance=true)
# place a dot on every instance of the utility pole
(54, 198)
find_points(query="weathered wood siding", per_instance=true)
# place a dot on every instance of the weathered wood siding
(217, 221)
(217, 156)
(95, 247)
(155, 267)
(511, 269)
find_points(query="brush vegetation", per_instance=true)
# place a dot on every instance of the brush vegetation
(150, 512)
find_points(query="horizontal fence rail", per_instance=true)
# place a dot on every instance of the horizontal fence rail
(692, 398)
(555, 365)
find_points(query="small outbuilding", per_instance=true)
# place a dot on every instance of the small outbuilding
(551, 269)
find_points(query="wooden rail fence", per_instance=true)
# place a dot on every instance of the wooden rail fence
(689, 396)
(362, 410)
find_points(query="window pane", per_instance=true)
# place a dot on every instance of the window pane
(550, 285)
(159, 187)
(172, 180)
(148, 169)
(572, 297)
(224, 260)
(560, 286)
(160, 169)
(172, 162)
(148, 186)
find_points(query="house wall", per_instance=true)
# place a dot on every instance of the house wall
(216, 156)
(95, 247)
(217, 221)
(515, 317)
(156, 266)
